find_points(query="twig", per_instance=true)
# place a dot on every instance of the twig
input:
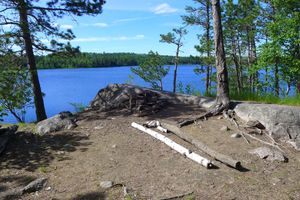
(264, 142)
(178, 196)
(237, 125)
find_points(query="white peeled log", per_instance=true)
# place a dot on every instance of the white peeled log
(162, 129)
(182, 150)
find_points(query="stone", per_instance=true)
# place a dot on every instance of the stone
(224, 128)
(236, 135)
(34, 186)
(295, 143)
(255, 123)
(281, 122)
(220, 117)
(269, 154)
(114, 146)
(141, 101)
(106, 184)
(62, 121)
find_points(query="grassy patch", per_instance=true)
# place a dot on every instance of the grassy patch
(266, 98)
(26, 127)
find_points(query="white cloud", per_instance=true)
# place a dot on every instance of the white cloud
(104, 39)
(66, 26)
(132, 19)
(163, 9)
(100, 24)
(107, 39)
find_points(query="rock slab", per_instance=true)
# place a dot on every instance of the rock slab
(61, 121)
(269, 154)
(281, 122)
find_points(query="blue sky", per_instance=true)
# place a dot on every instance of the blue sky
(132, 26)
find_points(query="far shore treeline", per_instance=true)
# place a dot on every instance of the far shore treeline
(93, 60)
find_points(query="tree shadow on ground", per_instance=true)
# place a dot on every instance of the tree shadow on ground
(8, 183)
(91, 196)
(29, 151)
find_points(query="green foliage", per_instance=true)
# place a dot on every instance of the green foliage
(152, 70)
(187, 89)
(15, 87)
(79, 107)
(266, 98)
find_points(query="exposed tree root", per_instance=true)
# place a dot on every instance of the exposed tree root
(216, 110)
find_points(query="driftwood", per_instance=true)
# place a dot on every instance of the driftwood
(182, 150)
(218, 156)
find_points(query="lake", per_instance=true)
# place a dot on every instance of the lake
(65, 86)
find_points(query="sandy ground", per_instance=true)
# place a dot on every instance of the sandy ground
(104, 147)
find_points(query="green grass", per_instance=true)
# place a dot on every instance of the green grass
(267, 98)
(26, 127)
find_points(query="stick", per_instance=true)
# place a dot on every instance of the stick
(257, 139)
(236, 124)
(182, 150)
(178, 196)
(218, 156)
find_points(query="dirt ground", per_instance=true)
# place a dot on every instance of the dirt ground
(105, 147)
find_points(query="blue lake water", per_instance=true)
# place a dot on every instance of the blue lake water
(65, 86)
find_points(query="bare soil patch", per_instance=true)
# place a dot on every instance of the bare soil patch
(105, 147)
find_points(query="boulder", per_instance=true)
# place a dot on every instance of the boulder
(140, 100)
(269, 154)
(34, 186)
(281, 122)
(61, 121)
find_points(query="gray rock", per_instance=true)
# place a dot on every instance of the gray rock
(236, 135)
(255, 123)
(62, 121)
(295, 143)
(282, 122)
(34, 186)
(269, 154)
(224, 128)
(106, 184)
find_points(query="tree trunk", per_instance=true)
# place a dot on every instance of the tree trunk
(276, 83)
(222, 100)
(236, 63)
(175, 68)
(38, 97)
(207, 85)
(249, 59)
(240, 60)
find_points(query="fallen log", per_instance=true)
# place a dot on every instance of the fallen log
(182, 150)
(203, 147)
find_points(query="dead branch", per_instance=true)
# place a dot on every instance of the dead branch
(178, 196)
(255, 138)
(218, 156)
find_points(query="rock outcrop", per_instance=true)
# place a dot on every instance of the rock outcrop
(141, 100)
(61, 121)
(281, 122)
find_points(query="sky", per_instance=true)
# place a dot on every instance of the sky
(132, 26)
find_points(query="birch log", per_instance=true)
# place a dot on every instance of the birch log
(182, 150)
(203, 147)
